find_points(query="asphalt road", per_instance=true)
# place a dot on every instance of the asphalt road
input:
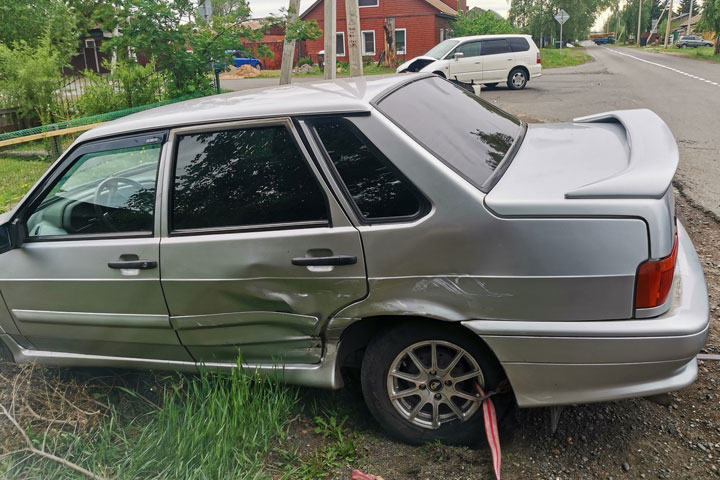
(685, 92)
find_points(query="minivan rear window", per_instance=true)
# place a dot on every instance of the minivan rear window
(518, 44)
(467, 133)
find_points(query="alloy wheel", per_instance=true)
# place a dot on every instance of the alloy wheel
(518, 79)
(432, 382)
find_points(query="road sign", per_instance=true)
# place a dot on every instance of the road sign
(206, 10)
(562, 16)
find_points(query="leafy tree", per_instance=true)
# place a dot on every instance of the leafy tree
(26, 22)
(472, 23)
(710, 21)
(30, 75)
(169, 32)
(536, 16)
(684, 7)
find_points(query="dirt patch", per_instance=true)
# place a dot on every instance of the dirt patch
(245, 71)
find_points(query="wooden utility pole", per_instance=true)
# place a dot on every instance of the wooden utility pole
(639, 22)
(352, 10)
(687, 32)
(329, 27)
(390, 48)
(288, 55)
(669, 21)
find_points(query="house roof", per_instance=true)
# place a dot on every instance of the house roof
(692, 21)
(439, 5)
(312, 98)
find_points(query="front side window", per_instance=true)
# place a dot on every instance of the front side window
(105, 192)
(494, 47)
(241, 178)
(340, 44)
(470, 49)
(378, 190)
(400, 41)
(368, 42)
(467, 133)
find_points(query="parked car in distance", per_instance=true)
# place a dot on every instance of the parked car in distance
(482, 59)
(604, 41)
(239, 59)
(693, 41)
(402, 226)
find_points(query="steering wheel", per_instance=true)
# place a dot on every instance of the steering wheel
(112, 185)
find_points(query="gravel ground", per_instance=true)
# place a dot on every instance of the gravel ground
(618, 440)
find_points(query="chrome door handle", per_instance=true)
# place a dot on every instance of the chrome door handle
(133, 264)
(325, 261)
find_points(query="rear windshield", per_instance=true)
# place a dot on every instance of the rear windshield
(468, 134)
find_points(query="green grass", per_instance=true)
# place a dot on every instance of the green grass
(211, 426)
(16, 178)
(567, 57)
(368, 69)
(704, 53)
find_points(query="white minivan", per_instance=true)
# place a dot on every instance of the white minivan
(482, 59)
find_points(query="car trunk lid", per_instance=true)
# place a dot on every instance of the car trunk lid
(613, 164)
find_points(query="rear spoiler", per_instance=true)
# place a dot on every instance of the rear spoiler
(653, 158)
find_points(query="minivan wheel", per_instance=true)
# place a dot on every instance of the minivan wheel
(418, 382)
(517, 80)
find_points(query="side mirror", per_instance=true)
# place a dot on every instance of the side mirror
(12, 235)
(459, 55)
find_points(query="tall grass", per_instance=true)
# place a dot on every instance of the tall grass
(212, 426)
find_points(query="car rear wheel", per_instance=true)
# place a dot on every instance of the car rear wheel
(683, 46)
(517, 80)
(418, 382)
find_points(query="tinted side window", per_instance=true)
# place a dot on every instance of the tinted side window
(470, 49)
(236, 178)
(518, 44)
(493, 47)
(377, 189)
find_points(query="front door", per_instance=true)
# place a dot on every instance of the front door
(469, 67)
(258, 253)
(498, 59)
(87, 279)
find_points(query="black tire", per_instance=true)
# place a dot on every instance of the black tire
(518, 79)
(491, 85)
(385, 349)
(259, 66)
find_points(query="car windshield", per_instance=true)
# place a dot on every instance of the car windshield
(441, 49)
(467, 133)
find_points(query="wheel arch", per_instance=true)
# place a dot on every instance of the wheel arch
(520, 67)
(356, 336)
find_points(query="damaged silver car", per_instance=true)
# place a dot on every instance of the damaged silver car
(400, 225)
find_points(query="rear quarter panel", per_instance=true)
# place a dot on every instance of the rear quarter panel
(462, 262)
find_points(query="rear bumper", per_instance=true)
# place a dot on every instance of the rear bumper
(559, 363)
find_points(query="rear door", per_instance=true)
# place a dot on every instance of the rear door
(497, 60)
(258, 254)
(469, 67)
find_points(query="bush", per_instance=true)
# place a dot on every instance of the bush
(305, 61)
(129, 85)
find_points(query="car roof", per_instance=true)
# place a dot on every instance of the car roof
(489, 37)
(352, 95)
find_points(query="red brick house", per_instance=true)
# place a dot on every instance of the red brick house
(419, 26)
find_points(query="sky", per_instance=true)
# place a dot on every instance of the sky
(262, 8)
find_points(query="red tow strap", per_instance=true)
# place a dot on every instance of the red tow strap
(491, 429)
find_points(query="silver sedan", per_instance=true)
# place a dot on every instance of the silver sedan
(402, 226)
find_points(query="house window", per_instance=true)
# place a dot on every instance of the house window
(400, 41)
(444, 34)
(368, 42)
(340, 44)
(368, 3)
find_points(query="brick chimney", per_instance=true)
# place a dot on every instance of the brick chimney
(456, 4)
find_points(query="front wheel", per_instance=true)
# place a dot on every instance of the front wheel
(419, 379)
(517, 80)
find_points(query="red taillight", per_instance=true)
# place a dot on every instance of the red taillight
(654, 279)
(538, 57)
